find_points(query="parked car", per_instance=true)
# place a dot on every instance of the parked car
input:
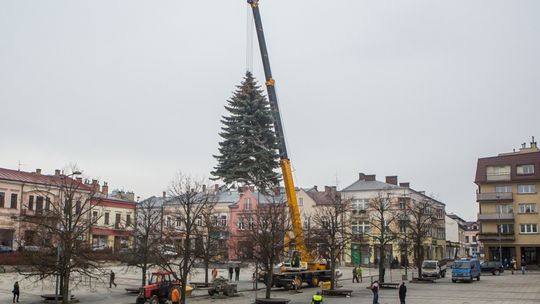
(5, 249)
(495, 267)
(32, 248)
(100, 247)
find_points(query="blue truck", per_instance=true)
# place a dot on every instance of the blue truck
(466, 270)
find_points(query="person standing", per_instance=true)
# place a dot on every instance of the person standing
(231, 270)
(355, 274)
(402, 293)
(237, 273)
(359, 273)
(375, 290)
(512, 265)
(111, 279)
(317, 298)
(214, 273)
(16, 291)
(523, 265)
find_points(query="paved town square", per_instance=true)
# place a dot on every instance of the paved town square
(505, 288)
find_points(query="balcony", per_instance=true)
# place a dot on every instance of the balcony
(496, 216)
(494, 197)
(497, 177)
(494, 236)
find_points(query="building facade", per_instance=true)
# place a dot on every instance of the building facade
(473, 247)
(508, 200)
(364, 249)
(455, 237)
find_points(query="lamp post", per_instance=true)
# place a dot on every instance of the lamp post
(500, 226)
(58, 247)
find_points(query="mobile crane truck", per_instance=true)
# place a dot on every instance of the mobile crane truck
(309, 272)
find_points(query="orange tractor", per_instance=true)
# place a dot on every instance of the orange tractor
(161, 288)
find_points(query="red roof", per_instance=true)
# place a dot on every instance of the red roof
(42, 179)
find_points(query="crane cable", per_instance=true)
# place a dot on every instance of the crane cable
(249, 39)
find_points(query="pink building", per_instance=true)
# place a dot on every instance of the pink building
(242, 217)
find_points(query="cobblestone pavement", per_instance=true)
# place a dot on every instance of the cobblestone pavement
(505, 288)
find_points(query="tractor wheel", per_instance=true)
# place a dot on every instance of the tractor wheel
(287, 285)
(314, 282)
(154, 300)
(175, 290)
(211, 292)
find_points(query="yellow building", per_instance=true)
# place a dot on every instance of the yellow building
(508, 205)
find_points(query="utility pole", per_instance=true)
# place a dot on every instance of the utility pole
(500, 226)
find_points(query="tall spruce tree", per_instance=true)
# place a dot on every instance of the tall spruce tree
(248, 152)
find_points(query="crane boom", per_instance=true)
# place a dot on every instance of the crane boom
(284, 159)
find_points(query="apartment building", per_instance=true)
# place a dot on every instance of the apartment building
(473, 247)
(508, 200)
(363, 248)
(455, 236)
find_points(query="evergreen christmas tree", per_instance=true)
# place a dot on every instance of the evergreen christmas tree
(248, 152)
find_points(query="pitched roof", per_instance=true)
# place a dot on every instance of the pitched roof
(363, 185)
(326, 197)
(41, 179)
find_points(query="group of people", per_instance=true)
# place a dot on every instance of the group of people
(375, 290)
(511, 264)
(232, 270)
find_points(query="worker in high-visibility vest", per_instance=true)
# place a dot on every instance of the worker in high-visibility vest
(317, 298)
(175, 296)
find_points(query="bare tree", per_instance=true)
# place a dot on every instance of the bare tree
(189, 200)
(60, 221)
(384, 217)
(332, 229)
(421, 219)
(210, 249)
(267, 235)
(147, 227)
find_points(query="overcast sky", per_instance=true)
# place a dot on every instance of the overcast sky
(133, 91)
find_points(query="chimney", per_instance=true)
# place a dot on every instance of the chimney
(38, 171)
(315, 187)
(130, 196)
(95, 185)
(164, 194)
(105, 188)
(57, 172)
(361, 176)
(370, 178)
(405, 185)
(533, 144)
(216, 188)
(330, 189)
(392, 180)
(203, 188)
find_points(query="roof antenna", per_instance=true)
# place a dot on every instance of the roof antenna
(25, 164)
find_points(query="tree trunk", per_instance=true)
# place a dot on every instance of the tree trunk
(419, 259)
(382, 255)
(206, 266)
(65, 288)
(333, 274)
(269, 276)
(144, 268)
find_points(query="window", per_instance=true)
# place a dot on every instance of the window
(466, 239)
(360, 227)
(300, 201)
(527, 208)
(118, 219)
(240, 223)
(78, 207)
(251, 224)
(168, 221)
(178, 222)
(529, 228)
(47, 203)
(358, 205)
(39, 203)
(31, 202)
(474, 239)
(526, 189)
(223, 220)
(128, 219)
(505, 228)
(106, 218)
(402, 203)
(525, 169)
(2, 198)
(247, 204)
(498, 173)
(198, 221)
(503, 189)
(13, 200)
(403, 226)
(94, 216)
(506, 208)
